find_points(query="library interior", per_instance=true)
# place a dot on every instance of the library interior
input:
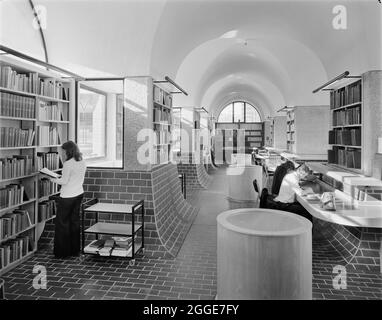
(230, 150)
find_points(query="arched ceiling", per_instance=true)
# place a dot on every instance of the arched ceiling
(272, 53)
(290, 44)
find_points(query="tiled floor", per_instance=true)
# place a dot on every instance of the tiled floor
(191, 275)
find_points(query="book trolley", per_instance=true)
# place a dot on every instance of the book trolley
(130, 229)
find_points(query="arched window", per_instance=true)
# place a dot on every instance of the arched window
(239, 111)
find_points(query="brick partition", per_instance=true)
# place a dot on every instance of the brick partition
(168, 216)
(196, 174)
(355, 247)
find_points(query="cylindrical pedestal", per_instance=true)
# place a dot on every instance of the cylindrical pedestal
(240, 182)
(264, 254)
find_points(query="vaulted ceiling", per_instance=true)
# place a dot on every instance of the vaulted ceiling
(269, 53)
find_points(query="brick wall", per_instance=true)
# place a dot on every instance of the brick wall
(168, 216)
(196, 174)
(354, 246)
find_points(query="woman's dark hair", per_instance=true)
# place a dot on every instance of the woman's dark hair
(289, 165)
(72, 151)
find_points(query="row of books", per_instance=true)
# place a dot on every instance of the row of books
(51, 111)
(347, 95)
(32, 83)
(117, 246)
(11, 79)
(48, 136)
(346, 158)
(12, 105)
(50, 160)
(162, 97)
(347, 137)
(12, 195)
(347, 117)
(161, 116)
(46, 210)
(47, 187)
(14, 250)
(162, 136)
(15, 166)
(14, 222)
(16, 137)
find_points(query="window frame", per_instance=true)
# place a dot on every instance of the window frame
(233, 112)
(80, 86)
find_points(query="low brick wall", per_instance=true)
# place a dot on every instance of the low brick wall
(168, 216)
(355, 247)
(196, 174)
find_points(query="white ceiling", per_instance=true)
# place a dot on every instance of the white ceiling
(269, 53)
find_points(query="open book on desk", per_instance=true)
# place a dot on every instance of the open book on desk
(49, 173)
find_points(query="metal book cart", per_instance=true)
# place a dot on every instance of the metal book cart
(130, 229)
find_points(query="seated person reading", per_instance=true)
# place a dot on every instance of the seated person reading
(279, 175)
(286, 200)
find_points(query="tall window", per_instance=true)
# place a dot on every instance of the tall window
(100, 123)
(239, 111)
(92, 124)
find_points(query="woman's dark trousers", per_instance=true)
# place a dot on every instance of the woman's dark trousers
(67, 230)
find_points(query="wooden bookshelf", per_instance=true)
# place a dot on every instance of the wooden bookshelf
(22, 107)
(346, 126)
(355, 123)
(161, 124)
(305, 125)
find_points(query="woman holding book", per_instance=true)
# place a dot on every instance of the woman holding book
(67, 229)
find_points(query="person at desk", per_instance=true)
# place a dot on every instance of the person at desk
(67, 228)
(286, 199)
(279, 175)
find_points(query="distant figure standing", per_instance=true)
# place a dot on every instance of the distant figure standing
(67, 229)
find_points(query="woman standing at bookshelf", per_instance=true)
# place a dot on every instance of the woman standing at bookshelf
(67, 229)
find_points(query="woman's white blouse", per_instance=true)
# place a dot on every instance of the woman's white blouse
(72, 179)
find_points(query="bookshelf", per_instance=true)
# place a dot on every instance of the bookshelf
(355, 123)
(34, 121)
(162, 124)
(305, 125)
(346, 126)
(148, 123)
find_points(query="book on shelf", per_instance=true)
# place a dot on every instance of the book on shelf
(16, 137)
(332, 137)
(46, 210)
(14, 250)
(12, 105)
(50, 111)
(15, 166)
(48, 136)
(346, 95)
(94, 246)
(48, 160)
(13, 223)
(30, 82)
(47, 187)
(11, 195)
(107, 248)
(345, 117)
